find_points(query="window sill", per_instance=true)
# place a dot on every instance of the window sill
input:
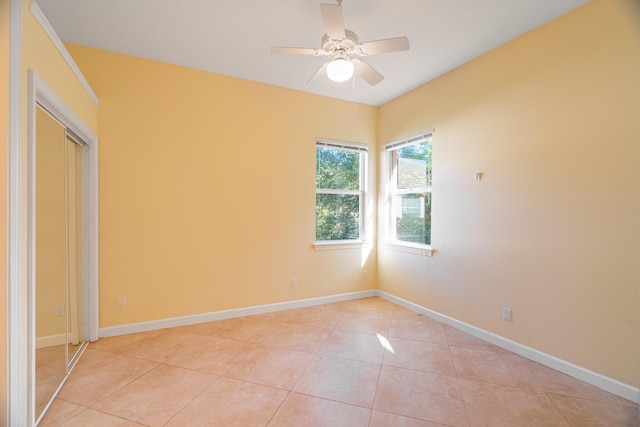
(340, 244)
(411, 248)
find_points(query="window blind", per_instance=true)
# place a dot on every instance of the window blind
(408, 141)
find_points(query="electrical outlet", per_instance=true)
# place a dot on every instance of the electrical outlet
(294, 283)
(122, 302)
(506, 314)
(365, 275)
(59, 310)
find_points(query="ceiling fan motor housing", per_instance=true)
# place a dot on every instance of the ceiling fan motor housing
(341, 48)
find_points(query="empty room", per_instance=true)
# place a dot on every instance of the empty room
(320, 213)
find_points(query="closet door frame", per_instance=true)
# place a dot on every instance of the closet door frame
(41, 93)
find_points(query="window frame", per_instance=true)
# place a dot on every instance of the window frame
(391, 241)
(363, 151)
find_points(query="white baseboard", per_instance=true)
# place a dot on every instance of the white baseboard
(228, 314)
(605, 383)
(50, 341)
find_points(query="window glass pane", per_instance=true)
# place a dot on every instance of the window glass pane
(337, 217)
(337, 169)
(413, 217)
(414, 165)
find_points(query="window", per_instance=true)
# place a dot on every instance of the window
(339, 191)
(410, 191)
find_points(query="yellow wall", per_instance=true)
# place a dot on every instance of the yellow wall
(4, 122)
(552, 230)
(207, 190)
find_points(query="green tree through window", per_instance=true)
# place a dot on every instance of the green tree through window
(410, 188)
(339, 191)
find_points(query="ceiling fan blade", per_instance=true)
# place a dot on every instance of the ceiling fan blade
(333, 20)
(385, 46)
(367, 73)
(317, 73)
(294, 50)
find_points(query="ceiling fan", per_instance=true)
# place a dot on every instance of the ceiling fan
(343, 47)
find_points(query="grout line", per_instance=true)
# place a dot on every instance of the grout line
(316, 354)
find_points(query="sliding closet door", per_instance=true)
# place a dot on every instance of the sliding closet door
(51, 256)
(75, 239)
(59, 256)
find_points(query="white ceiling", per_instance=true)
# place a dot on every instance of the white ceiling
(233, 37)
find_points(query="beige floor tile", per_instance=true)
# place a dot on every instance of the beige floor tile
(458, 338)
(383, 419)
(94, 419)
(91, 358)
(590, 413)
(298, 337)
(60, 412)
(403, 313)
(419, 356)
(419, 328)
(203, 328)
(556, 382)
(372, 305)
(273, 316)
(245, 329)
(47, 382)
(116, 344)
(422, 395)
(351, 345)
(239, 372)
(498, 405)
(315, 316)
(211, 354)
(342, 380)
(53, 356)
(158, 347)
(341, 306)
(494, 367)
(158, 396)
(364, 323)
(98, 374)
(302, 410)
(231, 403)
(272, 366)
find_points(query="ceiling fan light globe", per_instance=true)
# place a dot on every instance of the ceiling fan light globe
(340, 70)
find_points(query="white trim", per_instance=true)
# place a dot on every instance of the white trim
(603, 382)
(340, 192)
(50, 341)
(350, 146)
(329, 245)
(393, 145)
(46, 26)
(39, 92)
(417, 190)
(228, 314)
(411, 248)
(17, 372)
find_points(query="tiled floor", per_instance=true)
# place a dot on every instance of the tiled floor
(51, 368)
(365, 362)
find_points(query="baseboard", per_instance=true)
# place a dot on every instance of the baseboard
(228, 314)
(50, 341)
(590, 377)
(605, 383)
